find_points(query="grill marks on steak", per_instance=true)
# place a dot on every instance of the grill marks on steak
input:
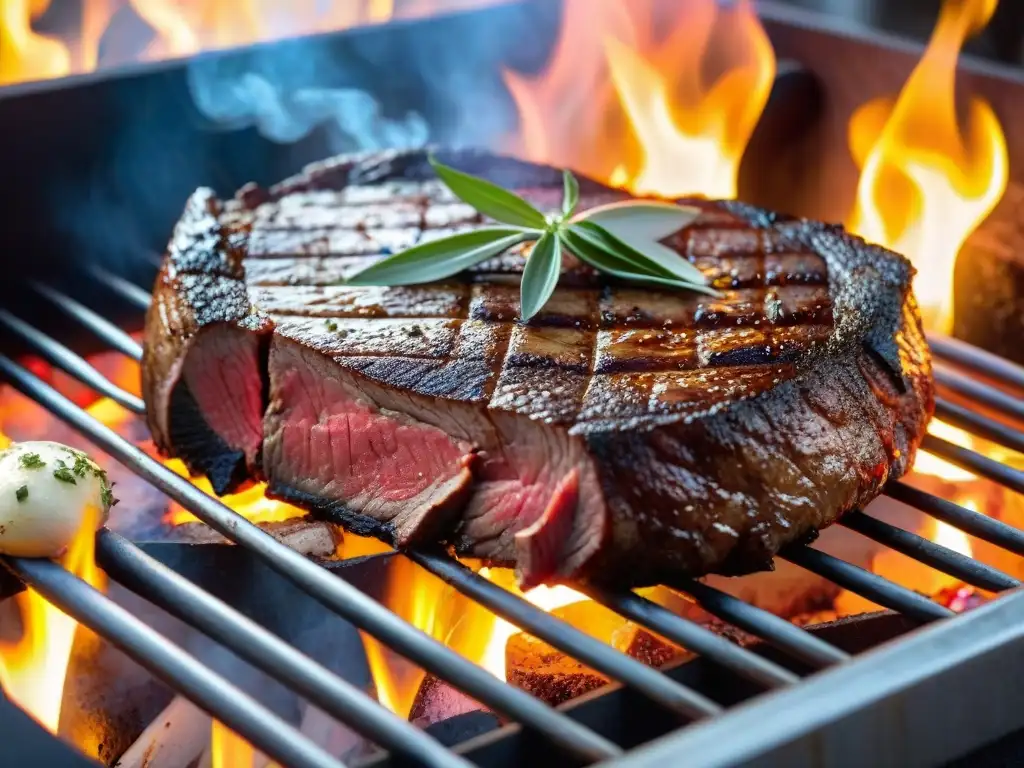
(624, 432)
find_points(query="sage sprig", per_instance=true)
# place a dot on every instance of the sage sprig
(620, 239)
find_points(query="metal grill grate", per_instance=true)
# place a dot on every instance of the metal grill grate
(131, 567)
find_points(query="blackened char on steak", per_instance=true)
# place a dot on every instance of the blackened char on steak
(623, 433)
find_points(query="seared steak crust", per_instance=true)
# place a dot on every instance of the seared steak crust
(622, 433)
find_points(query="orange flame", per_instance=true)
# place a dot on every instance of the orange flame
(182, 27)
(692, 143)
(25, 54)
(574, 90)
(438, 609)
(32, 670)
(925, 186)
(228, 749)
(680, 134)
(251, 503)
(96, 15)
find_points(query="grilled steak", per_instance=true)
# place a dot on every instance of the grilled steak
(622, 433)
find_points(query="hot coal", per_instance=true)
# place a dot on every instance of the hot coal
(622, 433)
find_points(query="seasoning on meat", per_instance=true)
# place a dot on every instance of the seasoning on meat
(624, 433)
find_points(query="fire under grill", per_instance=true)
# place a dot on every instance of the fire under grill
(946, 686)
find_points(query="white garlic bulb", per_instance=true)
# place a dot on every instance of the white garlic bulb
(46, 492)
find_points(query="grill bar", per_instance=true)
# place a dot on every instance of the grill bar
(975, 462)
(767, 626)
(128, 291)
(250, 641)
(866, 584)
(557, 633)
(980, 425)
(979, 392)
(159, 584)
(95, 322)
(976, 359)
(893, 705)
(941, 558)
(967, 520)
(74, 365)
(171, 664)
(693, 637)
(341, 597)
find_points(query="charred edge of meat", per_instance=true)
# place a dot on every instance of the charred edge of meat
(870, 291)
(376, 167)
(334, 512)
(202, 449)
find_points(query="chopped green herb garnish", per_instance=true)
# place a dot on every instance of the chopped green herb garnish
(82, 464)
(107, 496)
(31, 461)
(64, 474)
(331, 325)
(22, 493)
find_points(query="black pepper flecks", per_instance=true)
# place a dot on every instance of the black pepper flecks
(22, 493)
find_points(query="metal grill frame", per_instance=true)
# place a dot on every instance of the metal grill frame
(936, 693)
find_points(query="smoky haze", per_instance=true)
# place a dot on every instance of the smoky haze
(428, 81)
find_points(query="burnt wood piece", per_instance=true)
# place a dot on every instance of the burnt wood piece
(555, 677)
(623, 433)
(628, 718)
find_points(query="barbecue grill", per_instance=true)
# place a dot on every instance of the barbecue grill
(941, 690)
(918, 685)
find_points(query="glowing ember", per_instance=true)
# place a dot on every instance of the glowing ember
(32, 670)
(445, 614)
(679, 133)
(548, 598)
(925, 186)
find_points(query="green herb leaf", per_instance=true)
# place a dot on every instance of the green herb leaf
(654, 259)
(543, 268)
(442, 258)
(31, 461)
(572, 193)
(648, 257)
(608, 263)
(64, 475)
(490, 199)
(646, 219)
(22, 493)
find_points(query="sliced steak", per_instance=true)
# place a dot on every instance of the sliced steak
(623, 433)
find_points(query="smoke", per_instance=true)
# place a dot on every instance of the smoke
(268, 95)
(125, 151)
(397, 86)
